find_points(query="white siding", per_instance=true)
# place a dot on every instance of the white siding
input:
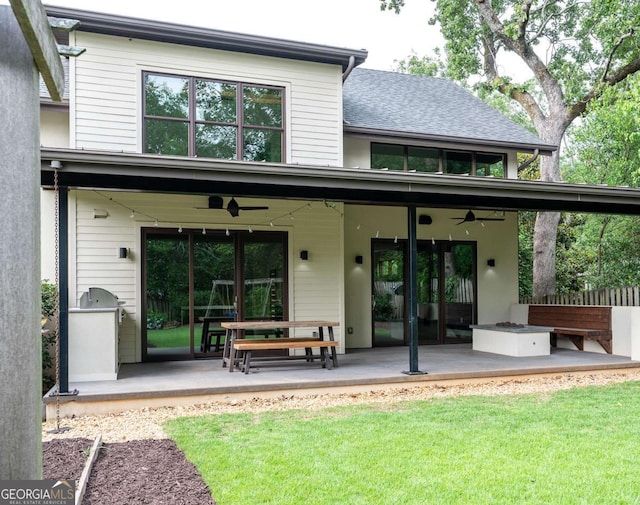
(107, 102)
(54, 127)
(315, 286)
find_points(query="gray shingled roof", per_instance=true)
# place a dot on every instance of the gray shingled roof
(427, 107)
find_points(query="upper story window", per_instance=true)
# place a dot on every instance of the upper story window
(425, 159)
(189, 116)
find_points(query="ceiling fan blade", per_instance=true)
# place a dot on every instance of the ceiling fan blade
(253, 208)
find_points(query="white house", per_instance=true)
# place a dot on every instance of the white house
(192, 162)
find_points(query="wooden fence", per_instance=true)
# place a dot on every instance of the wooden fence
(616, 297)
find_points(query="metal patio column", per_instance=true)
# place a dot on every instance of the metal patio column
(63, 290)
(412, 291)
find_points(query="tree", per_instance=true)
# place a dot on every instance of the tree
(573, 49)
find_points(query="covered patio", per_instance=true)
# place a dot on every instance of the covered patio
(176, 383)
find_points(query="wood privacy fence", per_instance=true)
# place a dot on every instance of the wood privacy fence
(616, 297)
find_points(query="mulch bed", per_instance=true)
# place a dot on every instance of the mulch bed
(152, 472)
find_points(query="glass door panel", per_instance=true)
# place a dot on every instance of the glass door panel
(388, 293)
(167, 296)
(459, 275)
(213, 289)
(263, 296)
(428, 295)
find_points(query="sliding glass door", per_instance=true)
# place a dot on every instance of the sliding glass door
(446, 280)
(191, 283)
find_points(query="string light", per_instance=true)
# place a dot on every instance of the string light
(271, 224)
(227, 232)
(377, 233)
(250, 230)
(433, 241)
(155, 223)
(450, 239)
(395, 240)
(358, 227)
(180, 229)
(204, 232)
(132, 215)
(466, 231)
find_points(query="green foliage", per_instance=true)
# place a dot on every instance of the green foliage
(48, 310)
(156, 320)
(463, 450)
(383, 309)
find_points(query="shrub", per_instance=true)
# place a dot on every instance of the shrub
(48, 310)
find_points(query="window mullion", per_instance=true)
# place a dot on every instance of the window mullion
(192, 116)
(240, 122)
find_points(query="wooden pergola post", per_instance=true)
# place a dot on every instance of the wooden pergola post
(27, 48)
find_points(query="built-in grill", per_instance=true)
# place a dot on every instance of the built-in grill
(100, 298)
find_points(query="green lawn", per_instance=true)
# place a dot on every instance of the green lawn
(173, 337)
(580, 446)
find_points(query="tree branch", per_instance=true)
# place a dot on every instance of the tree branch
(549, 84)
(615, 47)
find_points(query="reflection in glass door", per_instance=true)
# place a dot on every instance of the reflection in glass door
(190, 282)
(388, 293)
(446, 274)
(167, 301)
(459, 274)
(214, 292)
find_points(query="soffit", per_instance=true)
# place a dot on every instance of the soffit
(152, 173)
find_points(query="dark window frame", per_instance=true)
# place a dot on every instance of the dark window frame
(192, 121)
(442, 160)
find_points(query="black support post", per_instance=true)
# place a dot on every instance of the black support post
(412, 291)
(63, 290)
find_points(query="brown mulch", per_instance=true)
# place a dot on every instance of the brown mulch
(153, 472)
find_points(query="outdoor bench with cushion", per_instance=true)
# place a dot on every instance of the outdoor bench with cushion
(576, 322)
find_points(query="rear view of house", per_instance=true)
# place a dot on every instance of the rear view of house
(206, 176)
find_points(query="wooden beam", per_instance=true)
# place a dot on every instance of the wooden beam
(37, 32)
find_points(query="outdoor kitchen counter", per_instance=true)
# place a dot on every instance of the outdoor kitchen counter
(512, 340)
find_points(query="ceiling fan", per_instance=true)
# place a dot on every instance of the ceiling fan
(470, 217)
(233, 207)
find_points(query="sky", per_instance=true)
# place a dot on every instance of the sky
(353, 24)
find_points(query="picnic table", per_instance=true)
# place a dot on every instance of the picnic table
(236, 346)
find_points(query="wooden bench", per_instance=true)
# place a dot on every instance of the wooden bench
(236, 333)
(246, 346)
(576, 322)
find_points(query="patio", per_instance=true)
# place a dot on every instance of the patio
(176, 383)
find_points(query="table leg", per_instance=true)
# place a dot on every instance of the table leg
(232, 351)
(334, 354)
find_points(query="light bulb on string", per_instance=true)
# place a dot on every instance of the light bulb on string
(156, 223)
(250, 230)
(271, 224)
(377, 233)
(450, 239)
(291, 216)
(395, 240)
(204, 231)
(358, 227)
(433, 241)
(180, 229)
(227, 232)
(133, 214)
(466, 231)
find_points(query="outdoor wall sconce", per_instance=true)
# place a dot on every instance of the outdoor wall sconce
(304, 255)
(359, 260)
(122, 253)
(425, 219)
(100, 214)
(491, 262)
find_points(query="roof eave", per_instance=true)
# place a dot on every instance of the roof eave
(374, 133)
(144, 172)
(109, 24)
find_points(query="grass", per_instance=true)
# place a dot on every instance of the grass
(579, 446)
(173, 337)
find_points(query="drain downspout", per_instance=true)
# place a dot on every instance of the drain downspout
(350, 66)
(533, 158)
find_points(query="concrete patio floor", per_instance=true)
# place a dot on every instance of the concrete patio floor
(175, 383)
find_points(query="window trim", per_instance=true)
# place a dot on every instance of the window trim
(192, 121)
